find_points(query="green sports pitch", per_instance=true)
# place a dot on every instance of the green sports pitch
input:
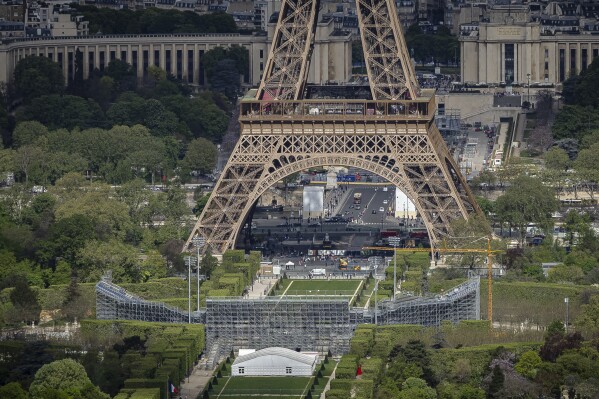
(254, 387)
(344, 288)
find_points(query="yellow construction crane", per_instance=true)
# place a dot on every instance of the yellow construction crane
(488, 251)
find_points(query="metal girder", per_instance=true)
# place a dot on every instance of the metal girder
(390, 70)
(289, 58)
(407, 154)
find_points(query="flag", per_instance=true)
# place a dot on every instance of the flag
(173, 388)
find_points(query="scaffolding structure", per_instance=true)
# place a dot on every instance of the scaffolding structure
(461, 303)
(310, 323)
(115, 303)
(314, 323)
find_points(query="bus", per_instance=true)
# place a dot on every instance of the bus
(357, 198)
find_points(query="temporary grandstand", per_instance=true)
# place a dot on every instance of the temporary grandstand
(115, 303)
(316, 323)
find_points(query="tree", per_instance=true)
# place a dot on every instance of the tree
(588, 319)
(496, 384)
(153, 266)
(64, 111)
(587, 166)
(97, 257)
(123, 74)
(27, 160)
(557, 159)
(225, 79)
(238, 54)
(209, 263)
(200, 156)
(25, 301)
(528, 364)
(583, 89)
(416, 388)
(526, 201)
(109, 216)
(565, 274)
(201, 204)
(27, 132)
(37, 76)
(65, 376)
(13, 390)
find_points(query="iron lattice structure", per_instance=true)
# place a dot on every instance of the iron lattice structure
(392, 135)
(115, 303)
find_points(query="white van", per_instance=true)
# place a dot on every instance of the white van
(318, 272)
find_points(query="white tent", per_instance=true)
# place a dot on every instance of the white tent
(290, 263)
(274, 361)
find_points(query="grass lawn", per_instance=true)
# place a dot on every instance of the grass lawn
(321, 287)
(286, 387)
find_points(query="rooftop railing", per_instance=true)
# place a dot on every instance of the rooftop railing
(391, 110)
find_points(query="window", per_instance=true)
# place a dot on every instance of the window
(241, 370)
(573, 61)
(546, 53)
(261, 53)
(562, 64)
(261, 66)
(584, 59)
(509, 64)
(288, 370)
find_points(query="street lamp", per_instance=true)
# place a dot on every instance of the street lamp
(198, 242)
(528, 95)
(395, 242)
(189, 261)
(376, 306)
(567, 302)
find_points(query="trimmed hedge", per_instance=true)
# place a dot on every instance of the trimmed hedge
(358, 389)
(347, 367)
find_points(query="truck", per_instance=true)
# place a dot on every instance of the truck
(357, 198)
(318, 272)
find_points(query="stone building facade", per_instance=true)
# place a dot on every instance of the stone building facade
(513, 46)
(178, 54)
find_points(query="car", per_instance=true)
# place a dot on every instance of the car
(381, 209)
(385, 202)
(358, 207)
(314, 224)
(374, 211)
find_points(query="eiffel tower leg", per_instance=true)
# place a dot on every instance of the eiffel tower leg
(411, 156)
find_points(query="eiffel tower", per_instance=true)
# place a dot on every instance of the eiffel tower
(392, 134)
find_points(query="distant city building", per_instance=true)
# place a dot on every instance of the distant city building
(12, 12)
(12, 29)
(517, 44)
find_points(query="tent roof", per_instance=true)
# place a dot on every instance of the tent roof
(290, 263)
(276, 351)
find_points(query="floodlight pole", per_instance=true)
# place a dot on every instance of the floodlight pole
(199, 242)
(394, 241)
(376, 306)
(567, 302)
(188, 260)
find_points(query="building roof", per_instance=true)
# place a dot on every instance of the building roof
(276, 351)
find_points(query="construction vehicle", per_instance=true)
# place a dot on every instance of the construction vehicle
(343, 264)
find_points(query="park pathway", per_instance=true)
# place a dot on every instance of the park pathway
(195, 383)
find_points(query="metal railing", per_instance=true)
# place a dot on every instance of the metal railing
(419, 109)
